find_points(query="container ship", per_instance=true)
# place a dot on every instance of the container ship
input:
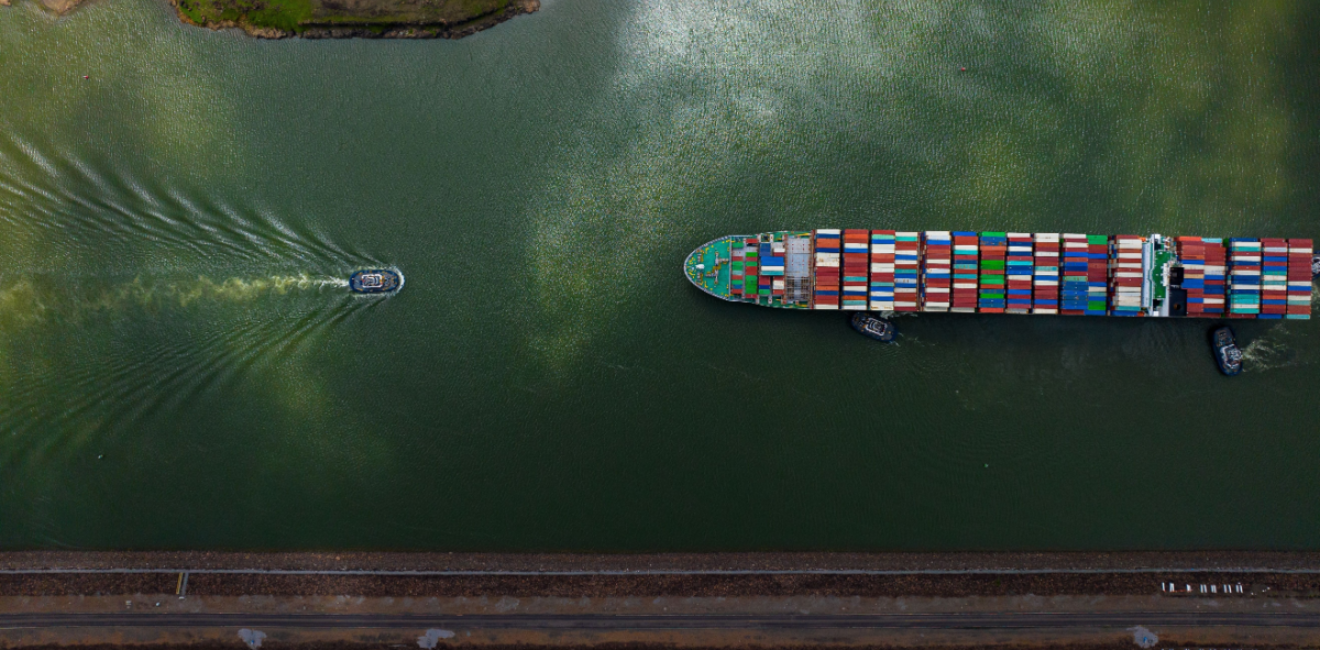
(1010, 273)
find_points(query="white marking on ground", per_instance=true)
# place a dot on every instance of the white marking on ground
(432, 638)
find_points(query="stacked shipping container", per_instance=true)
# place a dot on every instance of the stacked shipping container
(825, 290)
(751, 268)
(766, 280)
(906, 270)
(1216, 276)
(1244, 275)
(936, 268)
(882, 270)
(1299, 279)
(1273, 278)
(1097, 275)
(1073, 289)
(1045, 275)
(773, 267)
(737, 268)
(994, 249)
(1191, 252)
(856, 268)
(1125, 291)
(966, 266)
(1018, 273)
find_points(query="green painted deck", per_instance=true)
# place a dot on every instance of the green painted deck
(715, 257)
(1158, 273)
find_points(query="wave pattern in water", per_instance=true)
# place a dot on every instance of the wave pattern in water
(89, 360)
(124, 298)
(54, 208)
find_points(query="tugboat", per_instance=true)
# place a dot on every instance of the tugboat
(375, 281)
(873, 327)
(1315, 265)
(1227, 353)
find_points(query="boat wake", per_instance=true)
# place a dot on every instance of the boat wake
(34, 299)
(1270, 351)
(122, 352)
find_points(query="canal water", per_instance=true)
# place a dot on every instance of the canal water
(182, 367)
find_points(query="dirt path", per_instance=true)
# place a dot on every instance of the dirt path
(776, 585)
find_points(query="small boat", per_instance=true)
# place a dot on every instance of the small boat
(375, 281)
(1315, 265)
(872, 326)
(1227, 353)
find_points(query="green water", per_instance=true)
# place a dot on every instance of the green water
(180, 367)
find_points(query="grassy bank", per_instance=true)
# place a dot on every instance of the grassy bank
(350, 18)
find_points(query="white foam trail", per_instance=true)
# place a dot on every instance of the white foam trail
(1271, 350)
(30, 301)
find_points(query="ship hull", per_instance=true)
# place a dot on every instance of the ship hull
(1010, 273)
(375, 281)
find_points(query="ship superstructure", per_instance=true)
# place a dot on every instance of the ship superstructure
(1010, 273)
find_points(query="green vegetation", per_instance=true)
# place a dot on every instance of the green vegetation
(439, 17)
(284, 15)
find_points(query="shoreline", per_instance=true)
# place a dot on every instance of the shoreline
(353, 24)
(945, 575)
(682, 600)
(349, 28)
(897, 562)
